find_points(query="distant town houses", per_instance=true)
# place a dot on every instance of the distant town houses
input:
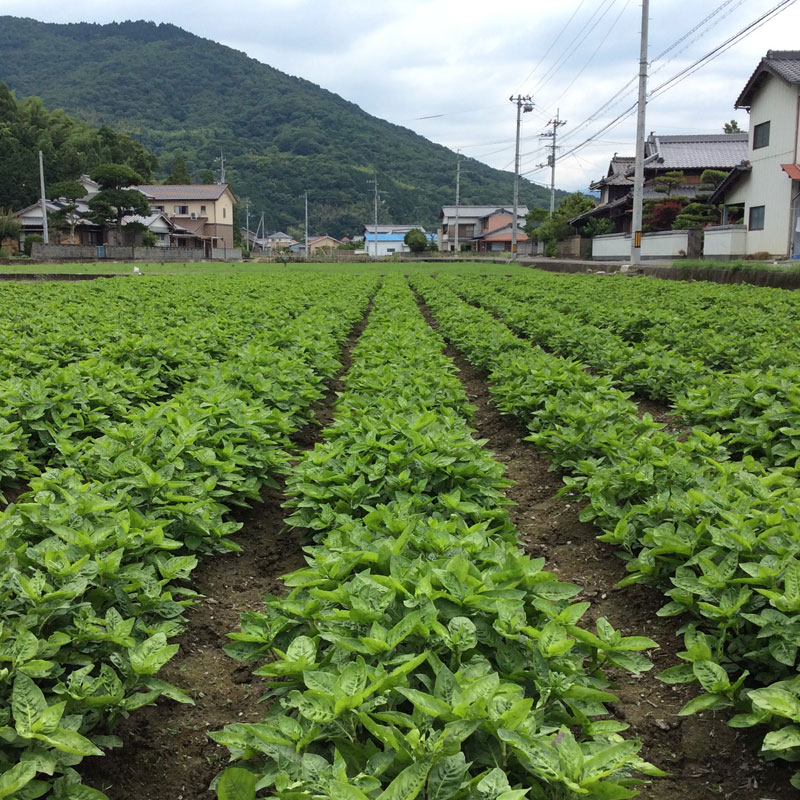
(485, 229)
(197, 216)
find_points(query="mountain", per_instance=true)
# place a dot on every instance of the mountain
(182, 95)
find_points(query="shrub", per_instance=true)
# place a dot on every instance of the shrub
(30, 240)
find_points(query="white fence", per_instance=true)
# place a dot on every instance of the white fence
(725, 242)
(662, 245)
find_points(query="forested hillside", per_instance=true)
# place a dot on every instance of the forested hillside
(181, 95)
(69, 148)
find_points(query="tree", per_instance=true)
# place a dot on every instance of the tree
(10, 226)
(114, 201)
(415, 240)
(550, 230)
(68, 216)
(179, 175)
(207, 177)
(696, 215)
(659, 215)
(598, 226)
(667, 181)
(731, 127)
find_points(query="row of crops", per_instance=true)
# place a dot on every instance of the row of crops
(138, 418)
(710, 515)
(421, 652)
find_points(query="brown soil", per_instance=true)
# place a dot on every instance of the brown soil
(705, 758)
(167, 754)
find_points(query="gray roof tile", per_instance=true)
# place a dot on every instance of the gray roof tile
(697, 151)
(784, 64)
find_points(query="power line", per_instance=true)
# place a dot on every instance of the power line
(691, 69)
(552, 45)
(577, 40)
(597, 49)
(628, 87)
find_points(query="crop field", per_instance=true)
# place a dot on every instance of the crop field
(364, 532)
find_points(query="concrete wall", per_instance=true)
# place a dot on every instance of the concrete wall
(665, 244)
(227, 253)
(66, 252)
(611, 247)
(574, 247)
(662, 244)
(725, 242)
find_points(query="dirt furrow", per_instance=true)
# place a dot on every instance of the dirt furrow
(167, 754)
(704, 756)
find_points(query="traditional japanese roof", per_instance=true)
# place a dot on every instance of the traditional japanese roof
(199, 191)
(621, 201)
(620, 172)
(783, 64)
(696, 151)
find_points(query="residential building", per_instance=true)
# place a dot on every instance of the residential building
(474, 225)
(390, 238)
(763, 191)
(279, 241)
(157, 223)
(691, 154)
(323, 243)
(202, 212)
(86, 232)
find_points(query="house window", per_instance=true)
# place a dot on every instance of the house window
(224, 212)
(761, 135)
(158, 208)
(181, 209)
(756, 218)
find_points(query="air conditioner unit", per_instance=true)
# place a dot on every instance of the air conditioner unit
(194, 216)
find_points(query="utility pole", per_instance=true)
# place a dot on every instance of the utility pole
(45, 236)
(307, 253)
(638, 175)
(551, 159)
(221, 167)
(374, 181)
(523, 104)
(458, 196)
(247, 226)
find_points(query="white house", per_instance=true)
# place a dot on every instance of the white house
(762, 192)
(390, 239)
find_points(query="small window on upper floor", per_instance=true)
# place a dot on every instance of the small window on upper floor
(181, 209)
(224, 212)
(203, 210)
(761, 135)
(756, 218)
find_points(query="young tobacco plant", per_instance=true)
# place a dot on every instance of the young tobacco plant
(421, 653)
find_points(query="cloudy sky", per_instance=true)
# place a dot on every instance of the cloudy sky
(447, 69)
